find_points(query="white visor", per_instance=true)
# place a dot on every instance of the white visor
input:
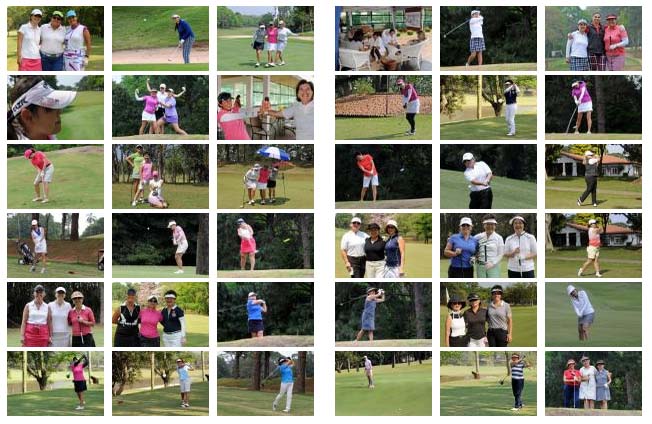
(43, 95)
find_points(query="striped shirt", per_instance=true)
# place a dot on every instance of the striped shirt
(517, 370)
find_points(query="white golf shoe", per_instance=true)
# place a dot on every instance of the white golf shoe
(179, 271)
(287, 411)
(579, 272)
(515, 409)
(33, 268)
(257, 64)
(510, 134)
(79, 407)
(45, 200)
(597, 274)
(42, 270)
(133, 203)
(37, 199)
(576, 132)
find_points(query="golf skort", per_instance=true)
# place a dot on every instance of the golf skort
(182, 247)
(258, 46)
(36, 335)
(586, 319)
(251, 184)
(579, 63)
(184, 386)
(247, 245)
(476, 44)
(172, 339)
(371, 180)
(148, 116)
(80, 386)
(598, 62)
(592, 252)
(150, 342)
(280, 46)
(261, 186)
(255, 325)
(41, 247)
(48, 173)
(585, 107)
(270, 46)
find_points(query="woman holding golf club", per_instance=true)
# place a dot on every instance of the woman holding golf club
(374, 251)
(521, 250)
(39, 235)
(44, 174)
(394, 251)
(584, 104)
(36, 326)
(82, 320)
(591, 174)
(352, 249)
(374, 297)
(302, 112)
(366, 165)
(369, 372)
(592, 249)
(476, 43)
(79, 379)
(285, 366)
(77, 44)
(250, 181)
(247, 244)
(615, 41)
(577, 55)
(186, 36)
(255, 310)
(28, 39)
(602, 383)
(455, 326)
(491, 248)
(511, 93)
(174, 321)
(583, 309)
(588, 384)
(411, 103)
(178, 239)
(476, 322)
(35, 109)
(59, 310)
(499, 319)
(150, 318)
(572, 380)
(461, 248)
(127, 318)
(271, 183)
(261, 185)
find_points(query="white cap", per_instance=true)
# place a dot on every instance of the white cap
(588, 153)
(34, 222)
(575, 84)
(162, 85)
(356, 219)
(466, 220)
(392, 223)
(43, 95)
(171, 223)
(467, 156)
(252, 294)
(58, 289)
(517, 217)
(592, 221)
(473, 12)
(261, 26)
(256, 166)
(490, 221)
(36, 12)
(570, 289)
(175, 16)
(281, 22)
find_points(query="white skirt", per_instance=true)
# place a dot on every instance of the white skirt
(413, 106)
(148, 117)
(60, 339)
(585, 107)
(171, 339)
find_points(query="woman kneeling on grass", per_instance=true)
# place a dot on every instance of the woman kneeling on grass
(374, 296)
(44, 173)
(150, 317)
(36, 326)
(79, 379)
(155, 198)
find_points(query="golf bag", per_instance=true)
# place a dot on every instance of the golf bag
(25, 255)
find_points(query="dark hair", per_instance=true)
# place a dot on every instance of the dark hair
(266, 98)
(358, 35)
(21, 86)
(356, 154)
(302, 82)
(488, 216)
(170, 292)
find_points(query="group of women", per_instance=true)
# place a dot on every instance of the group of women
(587, 385)
(160, 108)
(596, 47)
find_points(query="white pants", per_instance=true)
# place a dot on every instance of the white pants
(375, 269)
(476, 343)
(286, 388)
(172, 339)
(61, 339)
(510, 115)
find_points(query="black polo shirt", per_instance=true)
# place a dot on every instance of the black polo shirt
(128, 322)
(171, 319)
(374, 250)
(475, 323)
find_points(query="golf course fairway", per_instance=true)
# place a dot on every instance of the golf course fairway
(162, 402)
(508, 193)
(240, 401)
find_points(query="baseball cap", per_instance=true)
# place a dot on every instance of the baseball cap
(28, 153)
(467, 156)
(256, 165)
(370, 289)
(59, 289)
(39, 288)
(575, 84)
(261, 26)
(466, 220)
(400, 81)
(36, 12)
(171, 223)
(152, 298)
(612, 16)
(472, 296)
(76, 295)
(34, 222)
(240, 221)
(588, 153)
(179, 360)
(43, 95)
(71, 13)
(252, 294)
(356, 219)
(570, 289)
(592, 221)
(57, 13)
(139, 146)
(473, 12)
(175, 16)
(582, 21)
(155, 173)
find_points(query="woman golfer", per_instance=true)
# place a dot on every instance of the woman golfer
(135, 160)
(35, 109)
(374, 296)
(476, 43)
(285, 366)
(455, 327)
(148, 117)
(615, 41)
(499, 319)
(255, 310)
(517, 366)
(185, 382)
(583, 309)
(171, 117)
(490, 249)
(302, 112)
(162, 95)
(592, 249)
(394, 251)
(174, 322)
(584, 104)
(39, 235)
(59, 310)
(476, 322)
(271, 42)
(369, 372)
(602, 383)
(352, 249)
(77, 44)
(82, 320)
(150, 318)
(366, 165)
(588, 385)
(127, 318)
(230, 119)
(597, 58)
(79, 379)
(186, 36)
(411, 103)
(52, 43)
(374, 251)
(44, 174)
(521, 249)
(261, 184)
(591, 174)
(247, 244)
(250, 181)
(460, 248)
(479, 176)
(577, 55)
(258, 42)
(511, 92)
(155, 197)
(28, 40)
(36, 326)
(572, 380)
(179, 240)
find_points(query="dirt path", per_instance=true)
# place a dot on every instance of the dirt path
(198, 54)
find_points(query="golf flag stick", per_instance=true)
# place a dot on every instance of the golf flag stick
(455, 29)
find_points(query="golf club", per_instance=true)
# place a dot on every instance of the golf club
(571, 120)
(520, 265)
(284, 195)
(454, 29)
(244, 189)
(174, 52)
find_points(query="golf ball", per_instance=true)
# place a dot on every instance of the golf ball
(402, 169)
(144, 19)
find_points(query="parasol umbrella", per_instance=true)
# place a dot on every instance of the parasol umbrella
(273, 153)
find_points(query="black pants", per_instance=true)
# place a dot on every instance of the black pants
(375, 53)
(150, 342)
(83, 341)
(457, 272)
(410, 119)
(357, 265)
(591, 188)
(517, 390)
(126, 340)
(497, 337)
(461, 341)
(481, 199)
(518, 274)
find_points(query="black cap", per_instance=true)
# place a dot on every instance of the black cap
(497, 289)
(373, 225)
(131, 292)
(282, 360)
(456, 299)
(472, 296)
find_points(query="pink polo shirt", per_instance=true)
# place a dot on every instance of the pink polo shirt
(78, 372)
(149, 320)
(232, 124)
(614, 36)
(79, 329)
(40, 161)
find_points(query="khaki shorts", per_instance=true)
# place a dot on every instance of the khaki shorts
(592, 252)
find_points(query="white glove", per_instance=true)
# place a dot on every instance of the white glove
(85, 62)
(181, 41)
(488, 265)
(577, 102)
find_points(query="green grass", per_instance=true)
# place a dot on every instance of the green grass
(153, 271)
(163, 137)
(386, 204)
(508, 193)
(558, 412)
(489, 129)
(524, 326)
(583, 137)
(78, 180)
(95, 62)
(84, 118)
(233, 401)
(236, 54)
(13, 334)
(401, 391)
(178, 196)
(271, 341)
(527, 105)
(461, 395)
(298, 194)
(618, 315)
(163, 402)
(511, 67)
(382, 128)
(613, 193)
(148, 67)
(59, 402)
(266, 273)
(196, 329)
(559, 64)
(444, 262)
(615, 262)
(130, 31)
(418, 258)
(387, 343)
(55, 269)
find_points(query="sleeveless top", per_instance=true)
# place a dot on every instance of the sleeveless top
(37, 315)
(369, 308)
(74, 39)
(128, 322)
(392, 252)
(458, 325)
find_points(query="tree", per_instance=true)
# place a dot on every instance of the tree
(74, 226)
(203, 236)
(301, 371)
(255, 373)
(417, 289)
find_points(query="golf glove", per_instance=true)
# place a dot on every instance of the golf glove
(85, 62)
(181, 42)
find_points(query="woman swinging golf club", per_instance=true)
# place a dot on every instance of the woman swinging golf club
(255, 310)
(285, 366)
(583, 309)
(44, 174)
(479, 176)
(374, 296)
(584, 104)
(247, 244)
(517, 365)
(411, 104)
(369, 372)
(79, 379)
(179, 240)
(476, 43)
(591, 174)
(511, 93)
(593, 249)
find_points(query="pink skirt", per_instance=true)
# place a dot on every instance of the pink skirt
(247, 245)
(36, 335)
(30, 65)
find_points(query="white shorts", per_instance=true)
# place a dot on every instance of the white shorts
(171, 339)
(373, 180)
(476, 343)
(271, 46)
(184, 386)
(251, 184)
(48, 173)
(41, 247)
(148, 117)
(585, 107)
(374, 269)
(261, 186)
(280, 46)
(181, 248)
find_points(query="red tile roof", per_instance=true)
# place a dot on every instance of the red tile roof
(606, 159)
(611, 228)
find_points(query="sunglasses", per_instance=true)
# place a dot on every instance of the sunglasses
(355, 223)
(465, 225)
(56, 18)
(456, 303)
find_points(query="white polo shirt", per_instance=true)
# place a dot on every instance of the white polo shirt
(353, 243)
(31, 41)
(491, 249)
(60, 316)
(304, 119)
(52, 39)
(479, 172)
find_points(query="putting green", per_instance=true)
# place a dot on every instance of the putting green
(296, 191)
(508, 193)
(178, 196)
(163, 402)
(58, 402)
(583, 137)
(270, 341)
(144, 271)
(384, 128)
(234, 401)
(460, 394)
(267, 273)
(524, 327)
(405, 390)
(418, 258)
(613, 193)
(615, 262)
(490, 129)
(55, 269)
(444, 263)
(618, 315)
